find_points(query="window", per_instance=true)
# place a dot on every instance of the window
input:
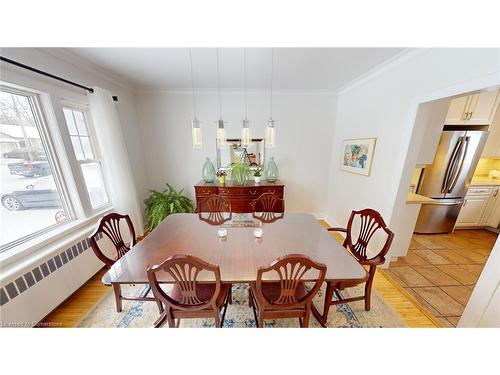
(87, 156)
(32, 199)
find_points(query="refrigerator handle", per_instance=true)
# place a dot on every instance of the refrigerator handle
(451, 165)
(459, 169)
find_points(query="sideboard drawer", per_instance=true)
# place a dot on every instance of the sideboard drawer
(278, 190)
(225, 191)
(241, 205)
(202, 191)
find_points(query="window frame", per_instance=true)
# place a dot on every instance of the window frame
(94, 144)
(47, 140)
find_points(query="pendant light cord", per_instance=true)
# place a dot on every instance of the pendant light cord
(192, 81)
(271, 91)
(245, 64)
(218, 85)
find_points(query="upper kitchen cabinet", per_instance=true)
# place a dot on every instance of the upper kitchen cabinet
(457, 110)
(476, 109)
(492, 146)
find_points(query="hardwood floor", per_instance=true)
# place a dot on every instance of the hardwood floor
(441, 270)
(71, 311)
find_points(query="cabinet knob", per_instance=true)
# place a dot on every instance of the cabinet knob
(253, 192)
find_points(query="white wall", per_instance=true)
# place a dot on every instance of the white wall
(384, 105)
(304, 126)
(483, 307)
(67, 65)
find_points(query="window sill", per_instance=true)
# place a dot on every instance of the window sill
(41, 247)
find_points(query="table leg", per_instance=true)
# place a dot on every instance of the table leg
(322, 318)
(118, 297)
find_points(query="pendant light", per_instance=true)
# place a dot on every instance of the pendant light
(196, 131)
(221, 133)
(246, 138)
(270, 131)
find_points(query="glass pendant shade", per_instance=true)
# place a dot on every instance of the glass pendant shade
(221, 134)
(246, 137)
(197, 139)
(270, 134)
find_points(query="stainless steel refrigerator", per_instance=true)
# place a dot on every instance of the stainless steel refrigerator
(447, 179)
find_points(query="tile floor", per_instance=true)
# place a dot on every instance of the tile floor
(440, 270)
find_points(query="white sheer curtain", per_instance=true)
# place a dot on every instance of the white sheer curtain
(116, 163)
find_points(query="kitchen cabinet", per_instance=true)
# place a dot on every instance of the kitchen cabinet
(475, 109)
(456, 111)
(472, 210)
(481, 207)
(492, 212)
(492, 146)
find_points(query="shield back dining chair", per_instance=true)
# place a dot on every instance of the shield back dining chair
(109, 226)
(215, 210)
(285, 295)
(268, 208)
(370, 222)
(188, 297)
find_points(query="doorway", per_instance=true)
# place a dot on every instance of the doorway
(441, 264)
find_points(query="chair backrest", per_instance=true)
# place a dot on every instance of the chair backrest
(212, 210)
(109, 226)
(291, 270)
(184, 270)
(268, 207)
(370, 222)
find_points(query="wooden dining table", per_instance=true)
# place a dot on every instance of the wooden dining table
(239, 254)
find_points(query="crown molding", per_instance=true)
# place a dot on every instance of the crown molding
(157, 90)
(82, 63)
(381, 68)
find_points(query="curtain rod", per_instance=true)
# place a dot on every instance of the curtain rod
(89, 89)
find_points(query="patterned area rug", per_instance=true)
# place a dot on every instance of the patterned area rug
(141, 314)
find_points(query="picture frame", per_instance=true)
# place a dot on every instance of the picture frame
(357, 155)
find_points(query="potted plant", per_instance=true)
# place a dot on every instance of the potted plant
(240, 172)
(222, 177)
(160, 204)
(257, 174)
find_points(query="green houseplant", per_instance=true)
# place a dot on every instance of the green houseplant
(161, 204)
(257, 174)
(240, 171)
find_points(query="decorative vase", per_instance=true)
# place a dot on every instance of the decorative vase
(257, 179)
(240, 179)
(271, 171)
(208, 171)
(222, 180)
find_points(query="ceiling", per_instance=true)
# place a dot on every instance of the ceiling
(294, 68)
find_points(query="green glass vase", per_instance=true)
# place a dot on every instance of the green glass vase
(208, 171)
(271, 171)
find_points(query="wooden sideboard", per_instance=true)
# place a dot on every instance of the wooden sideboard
(240, 196)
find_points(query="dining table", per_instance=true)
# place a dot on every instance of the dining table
(239, 253)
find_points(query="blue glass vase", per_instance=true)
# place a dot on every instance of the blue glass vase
(208, 171)
(271, 171)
